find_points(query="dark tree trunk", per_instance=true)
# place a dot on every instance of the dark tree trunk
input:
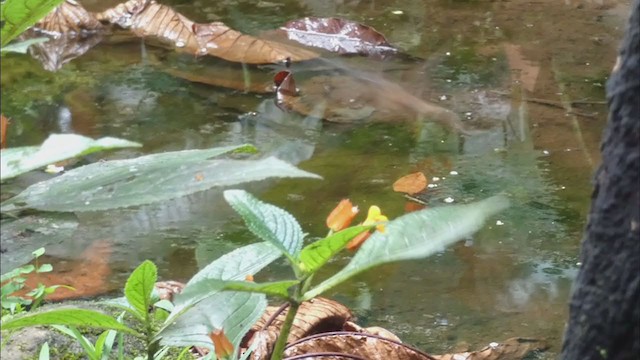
(604, 320)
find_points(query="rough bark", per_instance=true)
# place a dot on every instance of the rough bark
(604, 320)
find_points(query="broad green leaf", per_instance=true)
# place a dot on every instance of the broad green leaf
(19, 15)
(68, 317)
(21, 47)
(37, 253)
(233, 312)
(316, 254)
(204, 287)
(27, 269)
(236, 265)
(57, 147)
(139, 286)
(148, 179)
(268, 222)
(415, 236)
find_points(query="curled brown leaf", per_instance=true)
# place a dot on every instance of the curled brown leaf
(69, 17)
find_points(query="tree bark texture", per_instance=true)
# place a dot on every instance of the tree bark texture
(604, 320)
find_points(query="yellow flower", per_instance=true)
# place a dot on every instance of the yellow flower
(342, 216)
(373, 216)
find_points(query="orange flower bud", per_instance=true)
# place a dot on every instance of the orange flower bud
(249, 278)
(221, 343)
(342, 216)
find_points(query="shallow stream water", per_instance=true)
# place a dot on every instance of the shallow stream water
(511, 69)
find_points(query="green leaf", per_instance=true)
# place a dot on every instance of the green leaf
(18, 15)
(316, 254)
(268, 222)
(415, 236)
(203, 288)
(72, 332)
(234, 312)
(236, 265)
(240, 310)
(37, 253)
(68, 317)
(139, 286)
(44, 352)
(45, 268)
(57, 147)
(21, 47)
(123, 183)
(27, 269)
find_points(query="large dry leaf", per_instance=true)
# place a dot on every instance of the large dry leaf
(59, 50)
(411, 184)
(313, 317)
(365, 346)
(337, 35)
(69, 17)
(147, 18)
(511, 349)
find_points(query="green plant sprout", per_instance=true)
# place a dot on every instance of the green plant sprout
(220, 298)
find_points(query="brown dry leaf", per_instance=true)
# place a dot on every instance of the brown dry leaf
(168, 289)
(225, 77)
(411, 184)
(511, 349)
(337, 35)
(4, 125)
(58, 51)
(373, 330)
(69, 17)
(363, 345)
(226, 43)
(147, 18)
(315, 316)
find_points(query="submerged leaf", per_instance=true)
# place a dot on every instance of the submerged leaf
(57, 147)
(416, 235)
(123, 183)
(337, 35)
(22, 47)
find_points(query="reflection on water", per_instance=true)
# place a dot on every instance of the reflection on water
(492, 63)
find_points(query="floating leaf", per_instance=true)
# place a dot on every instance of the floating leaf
(57, 147)
(268, 222)
(416, 235)
(122, 183)
(60, 49)
(18, 15)
(411, 184)
(146, 18)
(337, 35)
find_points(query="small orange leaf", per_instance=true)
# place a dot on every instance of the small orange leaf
(411, 206)
(411, 184)
(357, 241)
(4, 124)
(249, 277)
(342, 216)
(222, 345)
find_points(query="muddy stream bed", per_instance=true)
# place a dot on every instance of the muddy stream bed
(529, 76)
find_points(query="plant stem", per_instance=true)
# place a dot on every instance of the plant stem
(278, 350)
